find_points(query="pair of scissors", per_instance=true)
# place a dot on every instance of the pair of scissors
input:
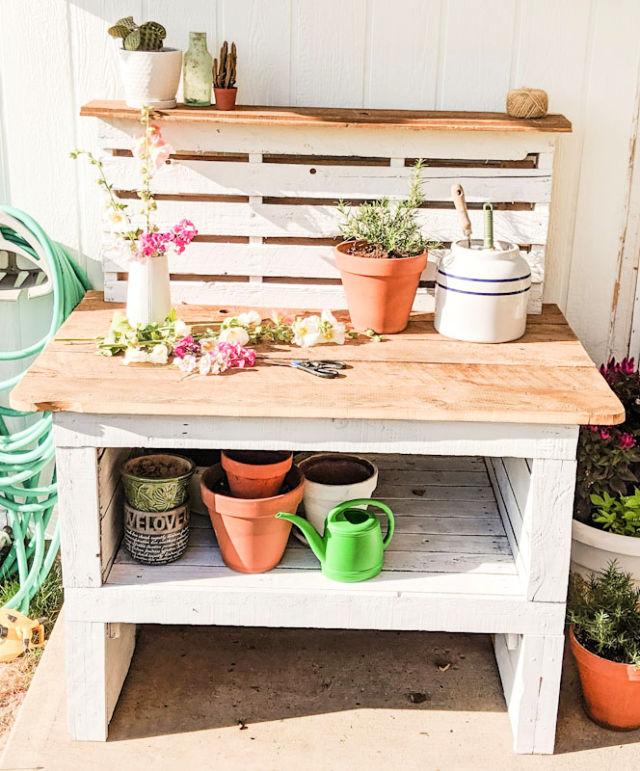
(327, 368)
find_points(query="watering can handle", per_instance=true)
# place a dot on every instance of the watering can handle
(367, 502)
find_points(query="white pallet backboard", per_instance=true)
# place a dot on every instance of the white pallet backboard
(264, 201)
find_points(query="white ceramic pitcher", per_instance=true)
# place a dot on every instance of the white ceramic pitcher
(482, 294)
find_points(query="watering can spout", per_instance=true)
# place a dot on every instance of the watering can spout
(314, 540)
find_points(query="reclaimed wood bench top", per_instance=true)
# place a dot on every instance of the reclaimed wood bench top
(337, 117)
(545, 377)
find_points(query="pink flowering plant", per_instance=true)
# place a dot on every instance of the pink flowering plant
(137, 232)
(609, 459)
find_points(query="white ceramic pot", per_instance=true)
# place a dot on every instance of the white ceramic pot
(593, 549)
(150, 77)
(148, 291)
(331, 479)
(482, 294)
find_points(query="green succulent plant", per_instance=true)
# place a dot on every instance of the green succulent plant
(146, 37)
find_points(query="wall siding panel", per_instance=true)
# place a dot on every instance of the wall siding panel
(450, 54)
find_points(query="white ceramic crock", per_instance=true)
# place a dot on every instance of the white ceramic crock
(150, 77)
(320, 498)
(593, 549)
(148, 291)
(482, 294)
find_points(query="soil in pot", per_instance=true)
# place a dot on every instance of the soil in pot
(256, 473)
(331, 479)
(251, 539)
(157, 482)
(610, 690)
(380, 289)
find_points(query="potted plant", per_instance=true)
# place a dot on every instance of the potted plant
(139, 241)
(250, 537)
(224, 77)
(606, 522)
(256, 473)
(331, 479)
(382, 258)
(605, 642)
(150, 73)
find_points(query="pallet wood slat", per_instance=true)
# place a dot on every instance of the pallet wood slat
(276, 173)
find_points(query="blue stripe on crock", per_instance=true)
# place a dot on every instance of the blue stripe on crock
(481, 294)
(484, 280)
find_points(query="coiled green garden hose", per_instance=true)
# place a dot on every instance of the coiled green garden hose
(27, 455)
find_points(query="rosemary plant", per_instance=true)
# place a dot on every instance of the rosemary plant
(386, 229)
(605, 614)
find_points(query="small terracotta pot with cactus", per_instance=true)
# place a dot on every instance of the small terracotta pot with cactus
(150, 73)
(224, 77)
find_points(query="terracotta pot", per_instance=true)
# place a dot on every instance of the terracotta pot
(251, 539)
(611, 691)
(255, 473)
(225, 98)
(380, 292)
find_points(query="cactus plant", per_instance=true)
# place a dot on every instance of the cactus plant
(146, 37)
(224, 72)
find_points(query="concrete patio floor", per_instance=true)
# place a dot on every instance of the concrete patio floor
(229, 698)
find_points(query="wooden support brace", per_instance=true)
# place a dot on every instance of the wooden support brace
(530, 676)
(97, 661)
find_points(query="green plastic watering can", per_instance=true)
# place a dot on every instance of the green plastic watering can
(352, 548)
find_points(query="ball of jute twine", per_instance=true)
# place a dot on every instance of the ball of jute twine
(527, 103)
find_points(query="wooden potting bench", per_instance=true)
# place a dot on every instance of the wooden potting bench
(476, 445)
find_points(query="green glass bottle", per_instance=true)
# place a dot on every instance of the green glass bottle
(198, 72)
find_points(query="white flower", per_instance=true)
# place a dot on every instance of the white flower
(187, 363)
(182, 329)
(205, 364)
(236, 335)
(306, 331)
(134, 355)
(333, 331)
(159, 354)
(249, 318)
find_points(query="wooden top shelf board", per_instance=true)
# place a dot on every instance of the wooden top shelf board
(305, 117)
(545, 377)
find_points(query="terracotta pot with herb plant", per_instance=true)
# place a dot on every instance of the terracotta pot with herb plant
(607, 512)
(150, 73)
(382, 258)
(605, 641)
(224, 77)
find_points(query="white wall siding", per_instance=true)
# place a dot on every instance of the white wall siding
(445, 54)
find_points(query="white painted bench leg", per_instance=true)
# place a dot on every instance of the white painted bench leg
(530, 674)
(97, 662)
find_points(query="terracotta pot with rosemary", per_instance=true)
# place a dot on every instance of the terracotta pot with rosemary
(604, 611)
(382, 258)
(224, 77)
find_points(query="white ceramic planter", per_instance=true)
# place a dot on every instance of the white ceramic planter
(592, 549)
(150, 77)
(148, 291)
(482, 294)
(320, 498)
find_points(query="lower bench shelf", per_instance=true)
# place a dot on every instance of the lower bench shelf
(449, 567)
